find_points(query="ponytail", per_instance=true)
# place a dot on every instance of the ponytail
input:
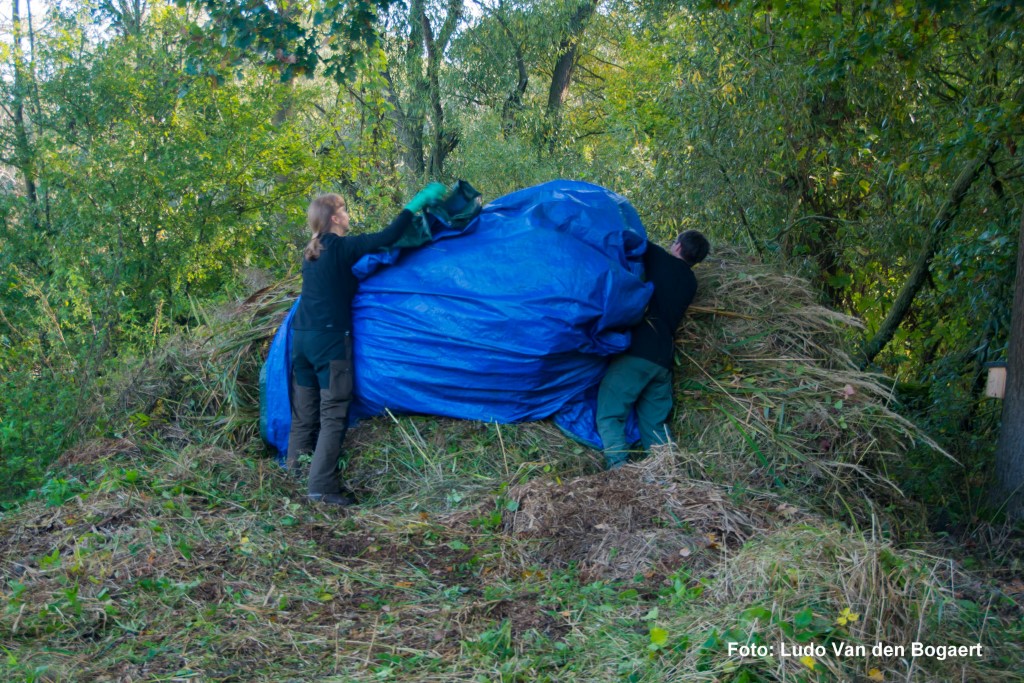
(312, 250)
(318, 220)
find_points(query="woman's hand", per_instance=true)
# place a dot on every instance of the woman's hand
(429, 195)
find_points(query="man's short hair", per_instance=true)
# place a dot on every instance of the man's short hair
(694, 246)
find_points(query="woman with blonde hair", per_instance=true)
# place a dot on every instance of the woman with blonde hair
(322, 336)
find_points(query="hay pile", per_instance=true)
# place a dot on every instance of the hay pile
(640, 519)
(203, 386)
(763, 384)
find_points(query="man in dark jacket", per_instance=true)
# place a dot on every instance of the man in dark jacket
(641, 378)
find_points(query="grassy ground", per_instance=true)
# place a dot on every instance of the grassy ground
(195, 564)
(178, 551)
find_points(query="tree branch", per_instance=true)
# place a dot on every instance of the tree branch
(919, 273)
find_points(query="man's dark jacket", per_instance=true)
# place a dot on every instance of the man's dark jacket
(675, 285)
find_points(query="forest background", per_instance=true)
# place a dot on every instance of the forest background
(158, 159)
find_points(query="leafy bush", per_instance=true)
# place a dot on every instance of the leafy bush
(37, 414)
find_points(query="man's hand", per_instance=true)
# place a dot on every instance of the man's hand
(429, 195)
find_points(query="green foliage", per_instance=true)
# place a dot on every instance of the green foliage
(335, 36)
(500, 164)
(167, 184)
(37, 416)
(161, 187)
(828, 137)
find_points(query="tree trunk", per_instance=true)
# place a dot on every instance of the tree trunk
(565, 64)
(128, 15)
(132, 11)
(514, 99)
(567, 54)
(924, 259)
(826, 250)
(23, 154)
(444, 140)
(424, 91)
(409, 118)
(1008, 491)
(37, 107)
(408, 122)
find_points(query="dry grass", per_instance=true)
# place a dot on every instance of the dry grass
(766, 384)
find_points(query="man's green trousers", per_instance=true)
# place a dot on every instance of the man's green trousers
(633, 382)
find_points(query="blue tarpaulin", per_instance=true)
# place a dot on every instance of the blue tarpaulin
(275, 410)
(510, 319)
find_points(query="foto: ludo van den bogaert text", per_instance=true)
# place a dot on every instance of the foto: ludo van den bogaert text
(842, 649)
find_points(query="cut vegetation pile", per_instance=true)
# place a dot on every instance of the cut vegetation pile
(179, 551)
(637, 520)
(767, 386)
